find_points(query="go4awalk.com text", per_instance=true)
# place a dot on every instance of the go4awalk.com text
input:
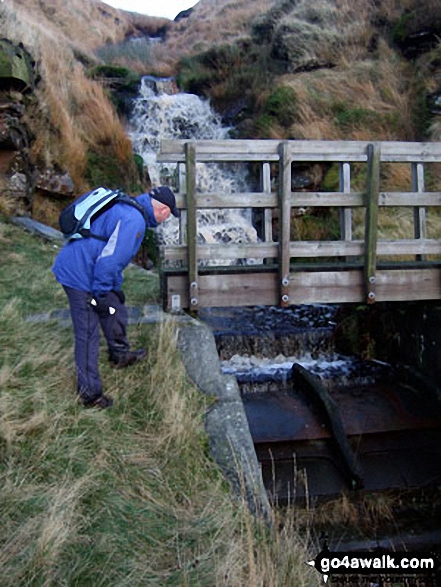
(341, 568)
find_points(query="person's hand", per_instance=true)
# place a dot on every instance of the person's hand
(102, 304)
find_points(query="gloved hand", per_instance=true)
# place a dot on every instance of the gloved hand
(102, 304)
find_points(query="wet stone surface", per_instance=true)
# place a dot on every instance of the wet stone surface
(259, 320)
(260, 374)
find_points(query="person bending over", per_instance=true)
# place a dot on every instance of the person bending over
(91, 273)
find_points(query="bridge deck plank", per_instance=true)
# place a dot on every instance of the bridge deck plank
(307, 287)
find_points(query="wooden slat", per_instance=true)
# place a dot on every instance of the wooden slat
(222, 252)
(346, 212)
(327, 287)
(267, 150)
(398, 151)
(326, 248)
(408, 284)
(268, 214)
(309, 287)
(327, 199)
(228, 290)
(410, 198)
(269, 200)
(409, 247)
(237, 200)
(190, 158)
(310, 199)
(355, 248)
(419, 213)
(226, 150)
(348, 286)
(407, 152)
(303, 249)
(174, 253)
(182, 185)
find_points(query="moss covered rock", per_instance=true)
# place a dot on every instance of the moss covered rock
(16, 67)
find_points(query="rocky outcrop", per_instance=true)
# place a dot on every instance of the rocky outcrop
(15, 167)
(52, 192)
(183, 14)
(16, 67)
(28, 191)
(16, 78)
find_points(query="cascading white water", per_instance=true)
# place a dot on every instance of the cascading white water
(161, 113)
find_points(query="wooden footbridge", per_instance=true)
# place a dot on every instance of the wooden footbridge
(363, 263)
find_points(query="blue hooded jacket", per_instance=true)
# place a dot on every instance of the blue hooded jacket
(95, 266)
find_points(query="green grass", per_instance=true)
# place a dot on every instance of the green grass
(26, 275)
(138, 51)
(120, 497)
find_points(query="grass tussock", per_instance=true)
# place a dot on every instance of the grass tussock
(127, 496)
(359, 100)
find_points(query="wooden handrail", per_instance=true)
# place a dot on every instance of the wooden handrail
(278, 156)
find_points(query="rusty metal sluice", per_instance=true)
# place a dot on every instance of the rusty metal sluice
(326, 432)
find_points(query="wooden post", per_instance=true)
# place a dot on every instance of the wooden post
(419, 213)
(268, 215)
(182, 188)
(345, 213)
(190, 164)
(371, 233)
(284, 222)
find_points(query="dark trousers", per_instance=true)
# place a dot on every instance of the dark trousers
(86, 324)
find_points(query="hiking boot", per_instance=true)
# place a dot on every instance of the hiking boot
(124, 359)
(101, 401)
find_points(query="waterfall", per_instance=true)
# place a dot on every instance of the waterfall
(161, 112)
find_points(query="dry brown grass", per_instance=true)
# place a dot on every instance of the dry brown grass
(72, 113)
(334, 104)
(212, 22)
(368, 512)
(87, 24)
(96, 117)
(7, 205)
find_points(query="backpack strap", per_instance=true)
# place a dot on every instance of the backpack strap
(125, 199)
(89, 234)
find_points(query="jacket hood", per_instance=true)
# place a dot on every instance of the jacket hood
(146, 202)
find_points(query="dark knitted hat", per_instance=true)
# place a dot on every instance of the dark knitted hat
(164, 195)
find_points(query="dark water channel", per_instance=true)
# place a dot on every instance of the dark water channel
(325, 424)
